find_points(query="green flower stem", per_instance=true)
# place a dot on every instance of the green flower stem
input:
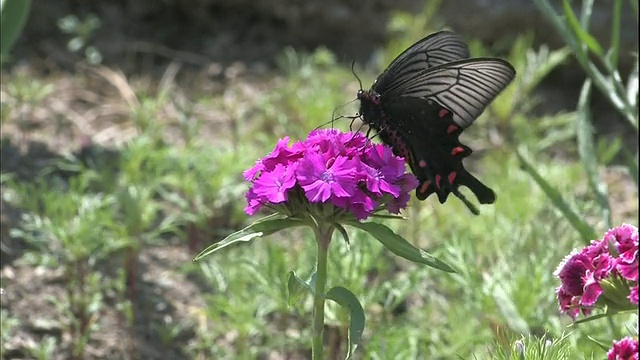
(323, 238)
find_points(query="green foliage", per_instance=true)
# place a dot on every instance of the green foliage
(25, 94)
(8, 324)
(585, 47)
(409, 27)
(574, 31)
(82, 31)
(45, 349)
(534, 348)
(13, 16)
(304, 98)
(74, 231)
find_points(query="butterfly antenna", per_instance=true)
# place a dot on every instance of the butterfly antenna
(333, 119)
(333, 115)
(353, 71)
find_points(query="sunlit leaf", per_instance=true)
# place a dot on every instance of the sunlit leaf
(399, 246)
(584, 37)
(586, 231)
(348, 301)
(588, 154)
(263, 227)
(296, 287)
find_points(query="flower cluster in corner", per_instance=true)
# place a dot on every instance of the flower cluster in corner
(344, 170)
(625, 349)
(597, 274)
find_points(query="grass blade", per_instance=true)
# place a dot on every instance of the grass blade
(587, 151)
(586, 232)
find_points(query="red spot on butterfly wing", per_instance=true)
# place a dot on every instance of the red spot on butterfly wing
(457, 150)
(425, 186)
(452, 177)
(443, 113)
(422, 164)
(438, 178)
(451, 129)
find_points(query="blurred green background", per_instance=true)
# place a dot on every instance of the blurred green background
(126, 126)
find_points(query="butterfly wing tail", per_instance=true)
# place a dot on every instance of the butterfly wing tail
(484, 194)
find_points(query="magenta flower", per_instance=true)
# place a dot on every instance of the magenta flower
(625, 241)
(281, 154)
(579, 288)
(322, 178)
(582, 274)
(273, 185)
(342, 170)
(633, 295)
(625, 349)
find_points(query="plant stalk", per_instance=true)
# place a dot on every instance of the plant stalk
(323, 238)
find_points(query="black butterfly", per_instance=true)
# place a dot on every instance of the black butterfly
(422, 102)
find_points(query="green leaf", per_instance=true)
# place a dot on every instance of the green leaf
(509, 310)
(614, 50)
(590, 318)
(632, 164)
(604, 346)
(632, 85)
(585, 14)
(586, 232)
(587, 152)
(262, 227)
(388, 216)
(607, 149)
(13, 16)
(342, 232)
(348, 300)
(399, 246)
(584, 37)
(296, 287)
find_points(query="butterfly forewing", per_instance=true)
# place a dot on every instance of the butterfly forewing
(465, 87)
(433, 50)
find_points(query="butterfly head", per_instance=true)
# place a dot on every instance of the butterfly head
(368, 96)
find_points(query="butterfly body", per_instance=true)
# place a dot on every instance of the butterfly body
(424, 100)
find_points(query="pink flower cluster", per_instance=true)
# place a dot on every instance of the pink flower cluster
(582, 273)
(343, 169)
(625, 349)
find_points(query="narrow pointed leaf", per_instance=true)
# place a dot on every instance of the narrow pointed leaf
(343, 232)
(388, 216)
(600, 344)
(348, 300)
(614, 50)
(590, 318)
(632, 85)
(587, 152)
(13, 16)
(399, 246)
(632, 164)
(262, 227)
(509, 310)
(584, 37)
(586, 232)
(296, 287)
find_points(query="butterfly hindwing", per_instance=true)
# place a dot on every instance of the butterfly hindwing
(426, 135)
